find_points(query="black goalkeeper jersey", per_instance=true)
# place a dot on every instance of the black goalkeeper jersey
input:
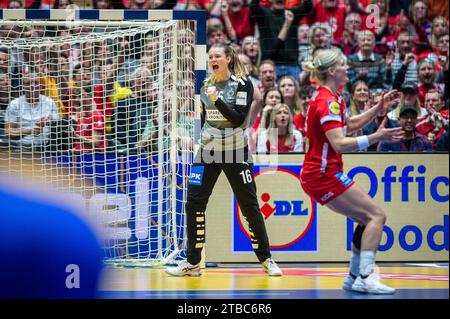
(225, 120)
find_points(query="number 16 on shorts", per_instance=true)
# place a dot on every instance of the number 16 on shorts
(246, 176)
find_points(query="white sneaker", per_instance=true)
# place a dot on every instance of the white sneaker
(348, 283)
(271, 267)
(184, 269)
(372, 285)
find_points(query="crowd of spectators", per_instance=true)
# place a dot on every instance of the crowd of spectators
(402, 45)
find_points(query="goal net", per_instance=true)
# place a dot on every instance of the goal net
(105, 110)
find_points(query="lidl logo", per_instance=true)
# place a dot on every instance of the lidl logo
(334, 107)
(291, 221)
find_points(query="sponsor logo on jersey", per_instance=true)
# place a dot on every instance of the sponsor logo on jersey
(241, 98)
(196, 176)
(291, 220)
(230, 93)
(334, 107)
(344, 179)
(326, 196)
(214, 115)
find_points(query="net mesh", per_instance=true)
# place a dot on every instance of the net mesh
(106, 112)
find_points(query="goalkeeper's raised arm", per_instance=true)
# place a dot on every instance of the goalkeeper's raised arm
(233, 108)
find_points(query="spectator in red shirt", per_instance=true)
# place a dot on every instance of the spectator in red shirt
(267, 75)
(108, 92)
(104, 91)
(349, 41)
(305, 92)
(289, 4)
(281, 136)
(90, 134)
(236, 18)
(419, 15)
(333, 12)
(266, 3)
(289, 88)
(397, 24)
(427, 78)
(435, 123)
(271, 98)
(438, 8)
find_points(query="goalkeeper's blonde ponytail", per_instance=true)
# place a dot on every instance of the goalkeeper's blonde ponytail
(325, 59)
(235, 66)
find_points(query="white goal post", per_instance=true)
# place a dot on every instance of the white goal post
(104, 104)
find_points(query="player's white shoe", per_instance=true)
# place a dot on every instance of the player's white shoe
(184, 269)
(372, 285)
(348, 283)
(271, 267)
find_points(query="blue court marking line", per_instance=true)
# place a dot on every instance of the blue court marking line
(273, 294)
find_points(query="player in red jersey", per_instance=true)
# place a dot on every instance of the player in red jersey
(435, 123)
(322, 175)
(90, 134)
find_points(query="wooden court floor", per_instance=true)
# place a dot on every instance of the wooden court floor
(248, 281)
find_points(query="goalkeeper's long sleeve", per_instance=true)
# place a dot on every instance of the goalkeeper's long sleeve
(236, 113)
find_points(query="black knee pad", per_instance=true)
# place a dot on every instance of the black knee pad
(357, 235)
